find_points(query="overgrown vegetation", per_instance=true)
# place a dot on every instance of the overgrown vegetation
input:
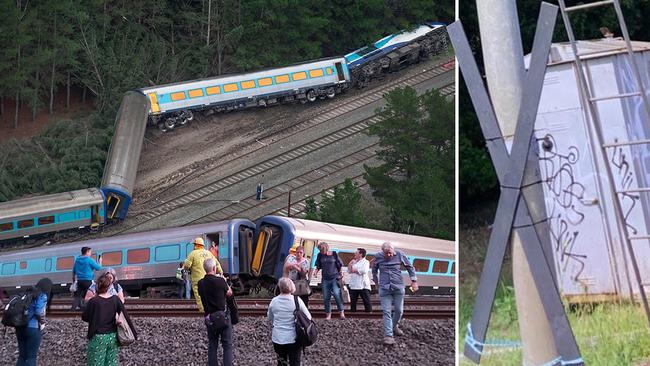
(607, 334)
(108, 47)
(415, 182)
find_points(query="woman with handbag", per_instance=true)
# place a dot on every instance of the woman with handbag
(283, 321)
(100, 314)
(297, 268)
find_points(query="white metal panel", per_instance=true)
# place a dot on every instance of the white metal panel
(588, 245)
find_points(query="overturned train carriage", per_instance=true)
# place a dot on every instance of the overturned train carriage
(121, 166)
(433, 259)
(175, 104)
(396, 51)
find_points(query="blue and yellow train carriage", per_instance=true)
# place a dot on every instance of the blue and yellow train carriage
(52, 213)
(173, 104)
(434, 259)
(140, 260)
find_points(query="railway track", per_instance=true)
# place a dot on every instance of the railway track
(273, 162)
(280, 191)
(427, 308)
(336, 110)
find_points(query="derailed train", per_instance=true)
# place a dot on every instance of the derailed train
(251, 255)
(175, 104)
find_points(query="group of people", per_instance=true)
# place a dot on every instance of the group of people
(103, 300)
(386, 272)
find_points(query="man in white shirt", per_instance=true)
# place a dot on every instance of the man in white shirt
(359, 280)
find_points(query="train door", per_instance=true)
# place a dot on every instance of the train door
(245, 248)
(309, 246)
(267, 250)
(112, 204)
(260, 250)
(339, 71)
(218, 249)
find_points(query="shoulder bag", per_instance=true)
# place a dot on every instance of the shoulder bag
(125, 335)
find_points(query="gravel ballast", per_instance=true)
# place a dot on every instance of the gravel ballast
(182, 341)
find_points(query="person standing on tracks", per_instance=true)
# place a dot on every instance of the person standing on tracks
(388, 264)
(183, 277)
(283, 322)
(82, 273)
(194, 263)
(331, 265)
(213, 290)
(114, 289)
(29, 337)
(100, 314)
(359, 280)
(296, 267)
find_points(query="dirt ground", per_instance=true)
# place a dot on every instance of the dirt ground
(28, 128)
(208, 141)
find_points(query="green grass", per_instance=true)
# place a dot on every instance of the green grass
(607, 334)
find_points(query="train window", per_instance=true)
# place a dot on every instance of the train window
(112, 258)
(346, 257)
(178, 96)
(46, 220)
(282, 79)
(440, 266)
(213, 90)
(230, 87)
(315, 73)
(6, 226)
(299, 76)
(48, 265)
(196, 93)
(453, 267)
(25, 223)
(63, 263)
(23, 265)
(421, 265)
(137, 256)
(8, 268)
(248, 84)
(167, 253)
(329, 71)
(264, 81)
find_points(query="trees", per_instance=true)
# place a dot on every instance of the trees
(416, 180)
(342, 207)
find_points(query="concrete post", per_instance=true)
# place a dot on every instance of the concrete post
(504, 68)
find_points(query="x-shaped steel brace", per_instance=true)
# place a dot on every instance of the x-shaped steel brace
(519, 178)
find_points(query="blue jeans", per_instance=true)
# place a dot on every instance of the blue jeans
(29, 339)
(389, 299)
(226, 335)
(331, 287)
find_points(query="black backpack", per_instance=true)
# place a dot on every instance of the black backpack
(16, 311)
(306, 331)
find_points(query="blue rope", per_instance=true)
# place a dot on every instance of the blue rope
(474, 344)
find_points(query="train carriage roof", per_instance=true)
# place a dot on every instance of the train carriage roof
(227, 76)
(52, 202)
(341, 233)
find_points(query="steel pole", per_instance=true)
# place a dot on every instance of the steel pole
(505, 72)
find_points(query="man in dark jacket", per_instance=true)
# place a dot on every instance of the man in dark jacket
(82, 272)
(213, 290)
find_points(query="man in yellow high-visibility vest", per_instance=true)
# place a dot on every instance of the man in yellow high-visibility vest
(194, 263)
